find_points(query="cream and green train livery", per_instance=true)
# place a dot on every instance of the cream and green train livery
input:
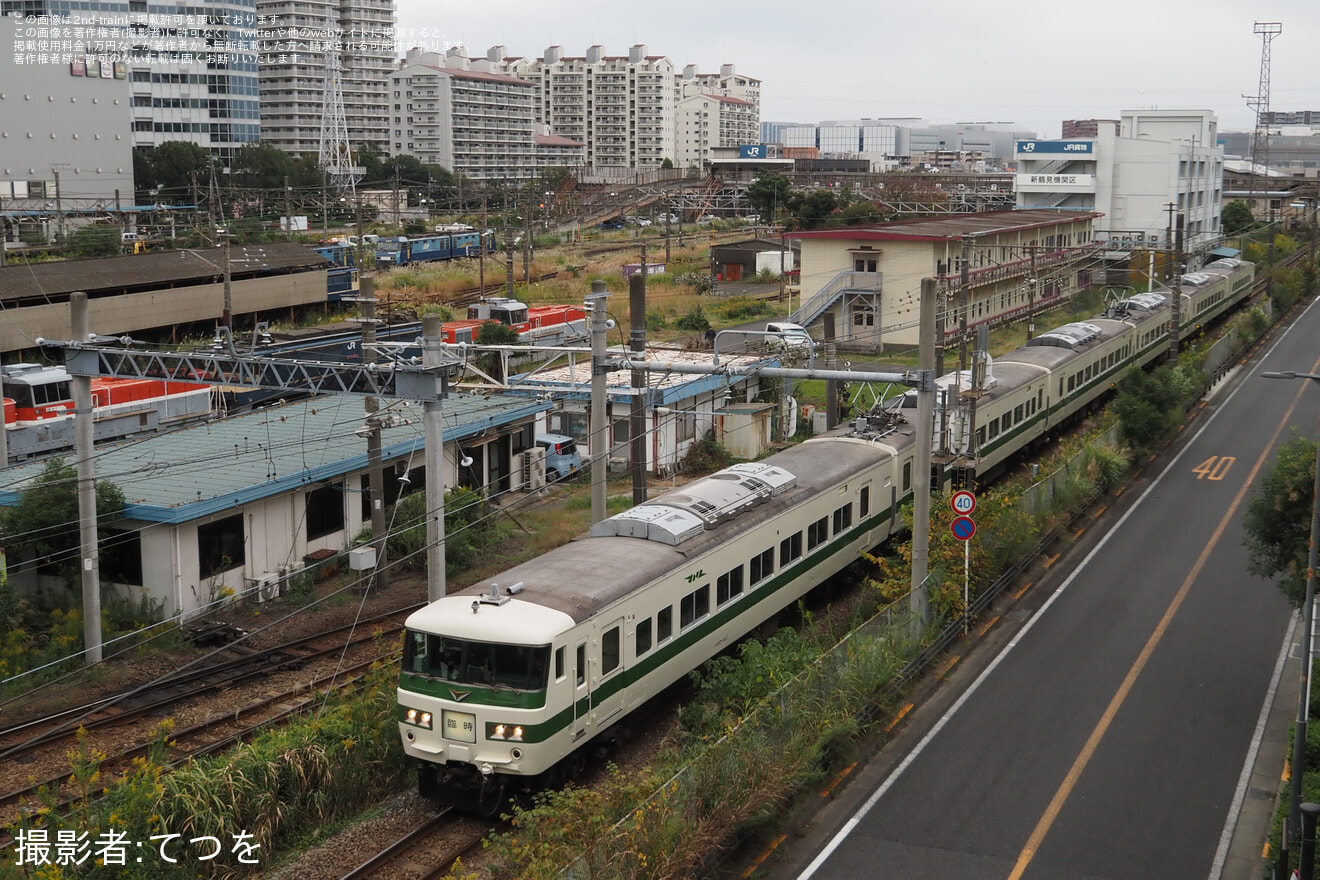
(505, 683)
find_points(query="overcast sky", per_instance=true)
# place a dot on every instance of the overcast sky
(1034, 64)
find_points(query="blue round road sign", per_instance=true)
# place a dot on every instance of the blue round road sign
(963, 528)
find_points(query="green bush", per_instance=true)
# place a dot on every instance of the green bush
(695, 321)
(743, 308)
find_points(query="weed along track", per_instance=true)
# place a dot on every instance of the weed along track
(209, 708)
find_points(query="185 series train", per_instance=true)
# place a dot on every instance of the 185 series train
(503, 684)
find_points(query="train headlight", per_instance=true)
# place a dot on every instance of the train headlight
(498, 732)
(510, 732)
(517, 734)
(421, 719)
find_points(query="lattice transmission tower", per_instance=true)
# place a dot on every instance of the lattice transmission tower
(1260, 139)
(335, 154)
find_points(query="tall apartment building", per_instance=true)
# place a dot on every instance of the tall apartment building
(714, 110)
(1158, 158)
(292, 74)
(192, 70)
(472, 122)
(1081, 128)
(621, 107)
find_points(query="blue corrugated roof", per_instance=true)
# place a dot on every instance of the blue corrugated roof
(221, 465)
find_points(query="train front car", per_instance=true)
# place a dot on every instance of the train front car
(473, 695)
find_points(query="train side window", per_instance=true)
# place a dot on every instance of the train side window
(762, 566)
(818, 533)
(664, 625)
(1071, 383)
(843, 519)
(1017, 413)
(994, 429)
(694, 606)
(643, 636)
(1006, 422)
(907, 475)
(559, 663)
(728, 586)
(864, 501)
(1040, 398)
(581, 671)
(609, 651)
(980, 436)
(790, 549)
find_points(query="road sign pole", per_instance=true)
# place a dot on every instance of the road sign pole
(967, 567)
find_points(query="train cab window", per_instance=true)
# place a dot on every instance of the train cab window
(643, 636)
(728, 586)
(559, 663)
(694, 606)
(664, 625)
(790, 549)
(609, 651)
(1040, 398)
(864, 501)
(818, 533)
(762, 566)
(581, 672)
(843, 519)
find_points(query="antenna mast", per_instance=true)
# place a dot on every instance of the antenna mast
(1260, 139)
(335, 155)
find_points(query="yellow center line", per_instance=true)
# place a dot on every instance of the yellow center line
(1093, 741)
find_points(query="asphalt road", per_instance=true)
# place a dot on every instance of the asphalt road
(1105, 735)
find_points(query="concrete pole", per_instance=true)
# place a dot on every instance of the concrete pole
(228, 317)
(637, 344)
(831, 385)
(87, 534)
(599, 456)
(435, 467)
(375, 473)
(920, 601)
(4, 439)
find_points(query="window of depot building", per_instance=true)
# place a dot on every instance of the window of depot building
(121, 557)
(220, 546)
(574, 424)
(325, 511)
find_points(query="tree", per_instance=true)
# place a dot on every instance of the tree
(1278, 519)
(262, 166)
(43, 525)
(1237, 217)
(816, 208)
(495, 333)
(770, 193)
(175, 166)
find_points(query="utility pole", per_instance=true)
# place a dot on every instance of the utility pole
(528, 228)
(1175, 292)
(599, 371)
(87, 530)
(508, 256)
(325, 206)
(1031, 298)
(481, 253)
(433, 425)
(397, 220)
(375, 473)
(637, 345)
(228, 317)
(669, 213)
(288, 208)
(59, 210)
(920, 602)
(964, 303)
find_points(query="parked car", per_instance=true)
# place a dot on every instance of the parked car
(706, 219)
(666, 218)
(562, 459)
(788, 337)
(752, 218)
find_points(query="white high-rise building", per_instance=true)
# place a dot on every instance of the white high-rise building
(292, 69)
(620, 106)
(447, 111)
(704, 122)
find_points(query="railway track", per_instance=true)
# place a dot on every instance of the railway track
(127, 725)
(429, 850)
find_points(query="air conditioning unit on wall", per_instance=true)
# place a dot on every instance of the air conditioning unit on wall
(265, 586)
(533, 469)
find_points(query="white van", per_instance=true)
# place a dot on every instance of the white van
(788, 337)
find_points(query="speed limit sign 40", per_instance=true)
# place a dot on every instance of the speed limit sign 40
(963, 502)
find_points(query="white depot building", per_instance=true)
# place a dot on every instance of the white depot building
(1156, 159)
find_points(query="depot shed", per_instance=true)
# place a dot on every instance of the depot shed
(744, 260)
